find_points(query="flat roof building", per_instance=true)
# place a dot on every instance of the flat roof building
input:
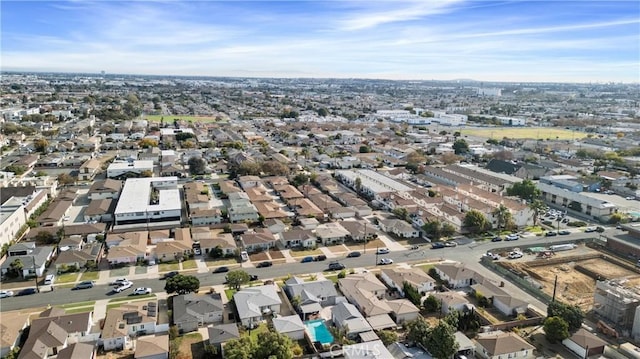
(148, 201)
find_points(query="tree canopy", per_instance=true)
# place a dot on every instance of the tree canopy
(526, 190)
(572, 314)
(197, 165)
(556, 329)
(436, 229)
(441, 341)
(431, 304)
(182, 284)
(460, 146)
(418, 331)
(271, 345)
(476, 221)
(236, 278)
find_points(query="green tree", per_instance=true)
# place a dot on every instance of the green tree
(503, 215)
(217, 251)
(526, 190)
(537, 207)
(197, 165)
(66, 179)
(15, 268)
(556, 329)
(616, 218)
(45, 237)
(441, 341)
(476, 221)
(388, 337)
(418, 331)
(323, 112)
(416, 158)
(182, 284)
(237, 278)
(241, 348)
(401, 213)
(572, 314)
(436, 229)
(460, 146)
(273, 345)
(358, 184)
(41, 145)
(411, 293)
(300, 179)
(365, 149)
(19, 170)
(431, 304)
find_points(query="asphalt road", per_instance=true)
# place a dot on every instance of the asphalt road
(468, 253)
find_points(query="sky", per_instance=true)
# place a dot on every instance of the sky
(538, 41)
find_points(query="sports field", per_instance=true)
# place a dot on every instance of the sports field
(524, 132)
(170, 118)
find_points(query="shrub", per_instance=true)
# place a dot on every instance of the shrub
(576, 224)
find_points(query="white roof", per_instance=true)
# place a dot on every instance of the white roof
(136, 192)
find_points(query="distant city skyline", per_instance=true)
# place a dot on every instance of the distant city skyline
(536, 41)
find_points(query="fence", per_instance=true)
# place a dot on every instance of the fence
(516, 279)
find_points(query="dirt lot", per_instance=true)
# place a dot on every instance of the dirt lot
(123, 354)
(191, 347)
(574, 286)
(257, 257)
(373, 244)
(275, 254)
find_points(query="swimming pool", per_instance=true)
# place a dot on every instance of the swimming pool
(318, 331)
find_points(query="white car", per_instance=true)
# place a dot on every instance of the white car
(6, 293)
(515, 255)
(119, 281)
(384, 261)
(382, 251)
(141, 291)
(123, 286)
(512, 237)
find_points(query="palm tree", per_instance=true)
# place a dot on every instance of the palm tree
(537, 206)
(502, 214)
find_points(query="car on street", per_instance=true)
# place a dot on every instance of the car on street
(253, 277)
(564, 232)
(551, 234)
(264, 264)
(354, 254)
(85, 284)
(141, 291)
(493, 256)
(336, 266)
(306, 259)
(383, 250)
(599, 229)
(320, 258)
(171, 274)
(437, 245)
(122, 287)
(119, 281)
(515, 255)
(589, 229)
(512, 237)
(6, 293)
(27, 291)
(496, 239)
(384, 261)
(221, 270)
(450, 244)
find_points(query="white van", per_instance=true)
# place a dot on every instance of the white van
(49, 279)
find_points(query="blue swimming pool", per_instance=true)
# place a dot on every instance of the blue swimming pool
(318, 331)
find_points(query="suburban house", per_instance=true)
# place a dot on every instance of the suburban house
(298, 237)
(456, 274)
(89, 255)
(502, 301)
(346, 316)
(399, 228)
(223, 240)
(34, 259)
(452, 301)
(152, 347)
(313, 295)
(582, 341)
(260, 239)
(222, 333)
(331, 233)
(274, 225)
(78, 350)
(240, 208)
(129, 250)
(496, 345)
(55, 213)
(129, 320)
(11, 328)
(171, 250)
(205, 217)
(396, 277)
(191, 311)
(105, 189)
(89, 169)
(100, 210)
(290, 326)
(358, 230)
(254, 303)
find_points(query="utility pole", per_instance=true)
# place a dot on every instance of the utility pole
(364, 249)
(555, 285)
(376, 255)
(33, 258)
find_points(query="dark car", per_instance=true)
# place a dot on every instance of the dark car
(437, 245)
(320, 258)
(496, 239)
(170, 274)
(306, 260)
(564, 232)
(599, 229)
(221, 270)
(336, 266)
(354, 254)
(264, 264)
(551, 234)
(253, 277)
(27, 291)
(85, 285)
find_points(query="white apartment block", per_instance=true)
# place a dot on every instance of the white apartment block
(590, 206)
(149, 200)
(371, 182)
(12, 217)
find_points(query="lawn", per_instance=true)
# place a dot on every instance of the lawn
(168, 267)
(77, 304)
(141, 270)
(117, 302)
(220, 262)
(67, 278)
(90, 276)
(260, 329)
(525, 132)
(75, 310)
(120, 272)
(333, 278)
(229, 293)
(190, 264)
(305, 252)
(189, 346)
(425, 268)
(170, 118)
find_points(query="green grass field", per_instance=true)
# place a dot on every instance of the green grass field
(167, 267)
(544, 133)
(190, 264)
(90, 276)
(170, 118)
(67, 278)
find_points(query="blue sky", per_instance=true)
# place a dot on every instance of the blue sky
(544, 40)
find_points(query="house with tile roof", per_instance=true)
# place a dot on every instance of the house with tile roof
(152, 347)
(496, 345)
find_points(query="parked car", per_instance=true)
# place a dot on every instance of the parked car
(336, 266)
(119, 281)
(264, 264)
(320, 258)
(354, 254)
(493, 256)
(599, 229)
(141, 291)
(84, 284)
(589, 229)
(307, 259)
(384, 261)
(221, 270)
(437, 245)
(564, 232)
(122, 287)
(253, 277)
(512, 237)
(551, 234)
(170, 274)
(6, 293)
(450, 244)
(197, 251)
(515, 255)
(383, 250)
(496, 239)
(27, 291)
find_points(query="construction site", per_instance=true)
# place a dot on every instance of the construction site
(575, 272)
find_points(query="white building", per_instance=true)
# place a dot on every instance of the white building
(449, 119)
(120, 168)
(590, 206)
(489, 91)
(12, 217)
(511, 121)
(149, 200)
